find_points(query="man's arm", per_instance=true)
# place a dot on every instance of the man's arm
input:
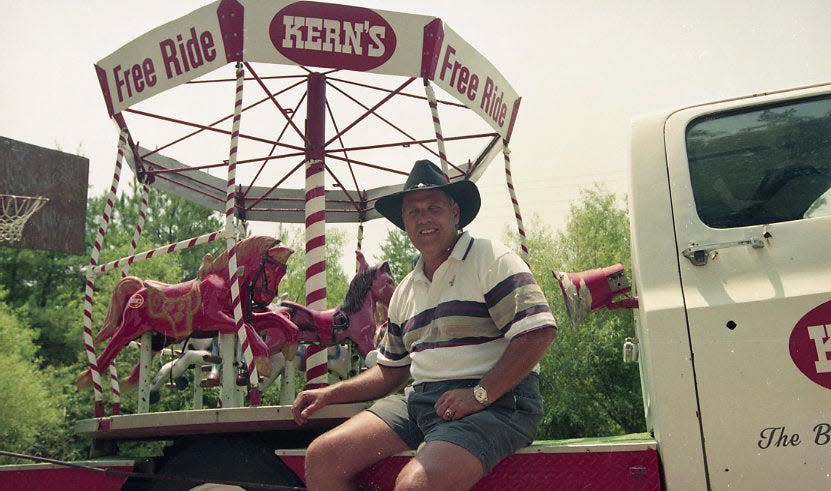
(375, 382)
(523, 352)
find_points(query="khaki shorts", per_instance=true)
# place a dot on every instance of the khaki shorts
(499, 430)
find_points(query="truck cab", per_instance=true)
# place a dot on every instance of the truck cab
(729, 205)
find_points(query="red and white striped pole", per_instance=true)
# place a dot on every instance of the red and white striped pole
(230, 229)
(434, 109)
(98, 408)
(145, 191)
(159, 251)
(316, 360)
(510, 180)
(317, 374)
(116, 406)
(360, 242)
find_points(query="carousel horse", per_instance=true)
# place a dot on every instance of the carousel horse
(197, 352)
(286, 325)
(200, 307)
(341, 362)
(194, 353)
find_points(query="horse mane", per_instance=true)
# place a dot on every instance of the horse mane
(358, 288)
(250, 247)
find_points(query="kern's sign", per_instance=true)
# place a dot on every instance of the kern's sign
(332, 36)
(312, 34)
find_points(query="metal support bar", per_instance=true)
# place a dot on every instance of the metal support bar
(145, 359)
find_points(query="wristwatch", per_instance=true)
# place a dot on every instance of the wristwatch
(481, 395)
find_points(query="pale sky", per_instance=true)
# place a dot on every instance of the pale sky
(584, 70)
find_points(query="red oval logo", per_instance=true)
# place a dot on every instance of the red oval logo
(332, 36)
(135, 301)
(810, 345)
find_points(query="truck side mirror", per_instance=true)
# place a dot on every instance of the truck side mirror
(594, 289)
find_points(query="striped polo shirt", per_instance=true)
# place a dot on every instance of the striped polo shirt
(458, 325)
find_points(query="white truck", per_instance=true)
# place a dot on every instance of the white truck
(729, 204)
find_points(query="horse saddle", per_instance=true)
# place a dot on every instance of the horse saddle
(176, 304)
(325, 323)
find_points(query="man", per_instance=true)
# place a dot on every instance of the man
(469, 325)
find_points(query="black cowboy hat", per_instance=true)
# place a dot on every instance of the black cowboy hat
(425, 175)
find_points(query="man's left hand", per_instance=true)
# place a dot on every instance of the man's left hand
(456, 404)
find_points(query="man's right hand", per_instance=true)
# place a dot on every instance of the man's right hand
(308, 402)
(373, 383)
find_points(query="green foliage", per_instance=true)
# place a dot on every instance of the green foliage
(41, 320)
(28, 410)
(294, 283)
(399, 251)
(37, 277)
(587, 388)
(169, 219)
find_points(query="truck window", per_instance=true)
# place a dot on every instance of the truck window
(765, 165)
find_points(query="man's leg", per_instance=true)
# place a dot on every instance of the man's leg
(336, 457)
(440, 465)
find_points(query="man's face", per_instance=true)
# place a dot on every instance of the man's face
(431, 220)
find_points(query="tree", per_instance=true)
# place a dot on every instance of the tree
(46, 287)
(399, 251)
(588, 390)
(46, 296)
(294, 283)
(28, 410)
(169, 219)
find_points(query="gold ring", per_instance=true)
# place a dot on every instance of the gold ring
(449, 414)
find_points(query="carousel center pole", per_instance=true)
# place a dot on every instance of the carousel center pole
(316, 357)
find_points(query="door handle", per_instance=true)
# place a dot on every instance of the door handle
(699, 254)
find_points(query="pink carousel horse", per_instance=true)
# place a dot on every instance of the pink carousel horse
(199, 307)
(354, 319)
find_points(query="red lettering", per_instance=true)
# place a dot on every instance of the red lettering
(182, 52)
(502, 112)
(463, 76)
(467, 81)
(149, 72)
(447, 63)
(492, 102)
(136, 77)
(171, 63)
(184, 55)
(471, 89)
(118, 82)
(192, 47)
(486, 96)
(207, 41)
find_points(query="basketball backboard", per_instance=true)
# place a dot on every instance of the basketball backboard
(33, 171)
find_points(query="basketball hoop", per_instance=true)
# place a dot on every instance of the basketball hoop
(15, 212)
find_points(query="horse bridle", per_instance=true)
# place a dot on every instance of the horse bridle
(340, 322)
(251, 305)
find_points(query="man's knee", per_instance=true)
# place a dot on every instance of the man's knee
(322, 456)
(416, 477)
(412, 477)
(440, 465)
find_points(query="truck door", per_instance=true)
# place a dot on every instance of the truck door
(750, 186)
